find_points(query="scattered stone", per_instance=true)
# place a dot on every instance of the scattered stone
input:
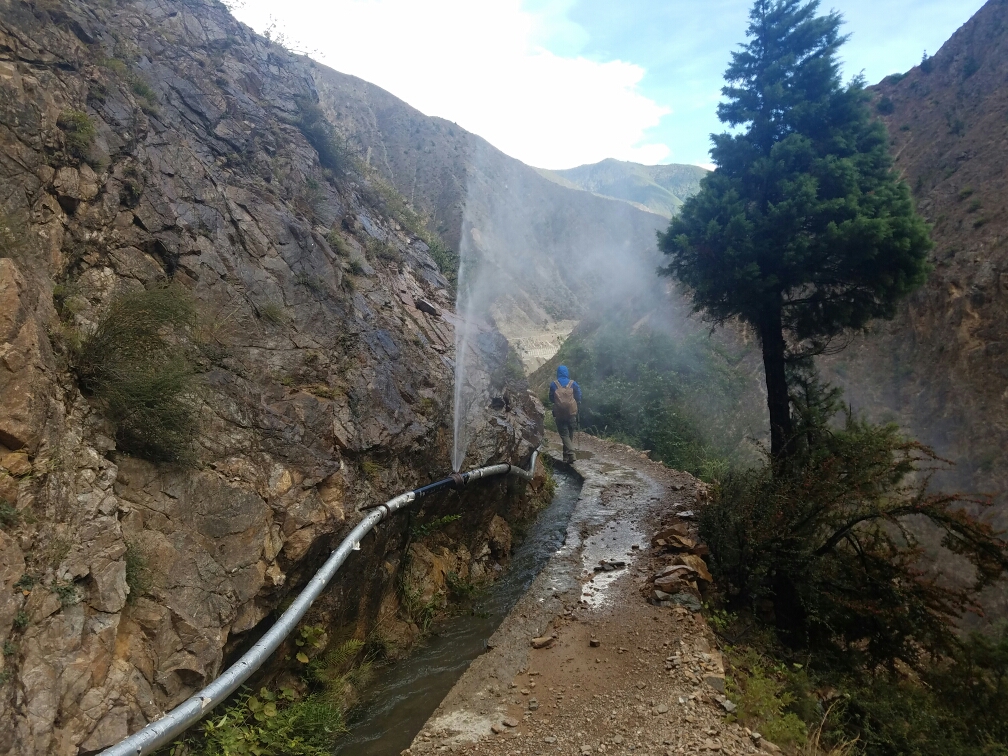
(549, 739)
(728, 706)
(533, 704)
(543, 642)
(662, 709)
(510, 722)
(594, 643)
(496, 728)
(687, 600)
(715, 680)
(424, 306)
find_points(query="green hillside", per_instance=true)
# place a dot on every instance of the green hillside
(658, 188)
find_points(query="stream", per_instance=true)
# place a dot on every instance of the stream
(402, 696)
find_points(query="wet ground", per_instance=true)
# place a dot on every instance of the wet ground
(403, 696)
(616, 675)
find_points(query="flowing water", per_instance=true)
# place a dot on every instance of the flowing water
(404, 695)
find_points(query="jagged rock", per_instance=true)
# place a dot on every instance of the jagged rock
(12, 567)
(16, 463)
(500, 537)
(23, 383)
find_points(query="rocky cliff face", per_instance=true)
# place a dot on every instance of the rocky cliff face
(152, 141)
(941, 367)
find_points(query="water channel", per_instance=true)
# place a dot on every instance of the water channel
(402, 696)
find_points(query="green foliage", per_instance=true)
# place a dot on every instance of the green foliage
(765, 696)
(9, 516)
(145, 94)
(970, 67)
(21, 620)
(272, 313)
(333, 151)
(25, 583)
(356, 267)
(885, 105)
(134, 364)
(271, 724)
(418, 532)
(804, 229)
(66, 593)
(338, 243)
(418, 611)
(78, 133)
(832, 546)
(371, 469)
(9, 647)
(385, 252)
(677, 397)
(446, 259)
(138, 578)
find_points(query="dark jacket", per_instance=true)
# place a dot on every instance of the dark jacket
(563, 379)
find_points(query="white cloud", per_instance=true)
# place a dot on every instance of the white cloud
(478, 63)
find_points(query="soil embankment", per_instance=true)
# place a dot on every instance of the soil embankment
(618, 675)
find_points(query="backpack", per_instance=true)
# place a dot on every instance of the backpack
(564, 405)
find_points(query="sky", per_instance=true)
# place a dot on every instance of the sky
(561, 83)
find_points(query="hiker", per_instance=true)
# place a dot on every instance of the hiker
(565, 395)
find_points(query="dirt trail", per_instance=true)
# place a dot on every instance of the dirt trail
(620, 675)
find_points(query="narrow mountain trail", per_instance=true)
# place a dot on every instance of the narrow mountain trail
(615, 673)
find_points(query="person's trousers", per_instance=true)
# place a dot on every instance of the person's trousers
(566, 430)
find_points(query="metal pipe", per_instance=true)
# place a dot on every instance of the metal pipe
(183, 716)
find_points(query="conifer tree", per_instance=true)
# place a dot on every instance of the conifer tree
(803, 230)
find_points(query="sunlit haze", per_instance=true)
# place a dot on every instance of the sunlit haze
(560, 83)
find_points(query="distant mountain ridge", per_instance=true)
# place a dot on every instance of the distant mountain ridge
(660, 189)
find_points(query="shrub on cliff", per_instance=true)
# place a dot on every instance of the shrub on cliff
(133, 363)
(332, 150)
(78, 133)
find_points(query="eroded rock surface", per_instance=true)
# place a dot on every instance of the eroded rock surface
(157, 141)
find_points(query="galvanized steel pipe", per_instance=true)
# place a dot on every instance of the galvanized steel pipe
(183, 716)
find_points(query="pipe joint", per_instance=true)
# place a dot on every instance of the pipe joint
(458, 480)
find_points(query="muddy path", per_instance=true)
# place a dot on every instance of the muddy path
(617, 674)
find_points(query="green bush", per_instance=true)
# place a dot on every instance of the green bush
(137, 573)
(134, 364)
(333, 151)
(78, 133)
(446, 259)
(832, 546)
(269, 724)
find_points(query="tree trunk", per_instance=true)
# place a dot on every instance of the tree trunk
(781, 430)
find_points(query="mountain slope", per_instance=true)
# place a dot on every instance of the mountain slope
(658, 188)
(941, 367)
(553, 249)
